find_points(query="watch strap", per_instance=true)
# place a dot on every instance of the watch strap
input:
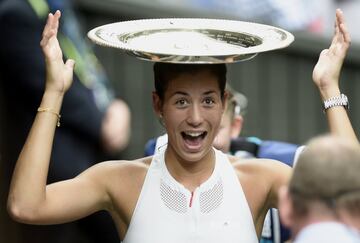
(341, 100)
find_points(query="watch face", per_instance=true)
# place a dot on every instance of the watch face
(191, 40)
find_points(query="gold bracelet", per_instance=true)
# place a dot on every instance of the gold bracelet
(40, 109)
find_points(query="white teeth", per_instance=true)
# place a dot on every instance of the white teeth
(193, 134)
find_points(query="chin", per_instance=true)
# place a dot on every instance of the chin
(195, 156)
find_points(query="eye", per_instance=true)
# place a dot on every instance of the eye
(208, 101)
(181, 102)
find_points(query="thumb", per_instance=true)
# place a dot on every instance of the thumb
(70, 63)
(69, 71)
(324, 52)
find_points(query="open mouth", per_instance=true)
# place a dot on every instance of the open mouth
(193, 139)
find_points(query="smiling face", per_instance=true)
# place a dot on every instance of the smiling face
(191, 110)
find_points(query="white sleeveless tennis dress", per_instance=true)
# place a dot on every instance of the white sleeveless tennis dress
(216, 212)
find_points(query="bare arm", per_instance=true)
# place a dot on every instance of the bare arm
(267, 176)
(326, 76)
(30, 199)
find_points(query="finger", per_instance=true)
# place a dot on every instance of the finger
(336, 32)
(340, 16)
(70, 63)
(47, 28)
(46, 38)
(336, 24)
(69, 70)
(341, 21)
(51, 28)
(55, 22)
(343, 27)
(345, 34)
(52, 22)
(335, 38)
(48, 21)
(339, 35)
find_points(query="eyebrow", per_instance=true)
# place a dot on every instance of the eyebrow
(209, 92)
(186, 94)
(180, 93)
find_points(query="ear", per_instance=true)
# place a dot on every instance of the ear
(285, 207)
(157, 104)
(236, 126)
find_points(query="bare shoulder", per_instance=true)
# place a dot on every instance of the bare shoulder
(265, 174)
(259, 166)
(121, 178)
(119, 169)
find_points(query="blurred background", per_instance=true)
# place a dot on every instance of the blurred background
(283, 102)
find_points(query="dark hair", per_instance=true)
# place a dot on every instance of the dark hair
(164, 72)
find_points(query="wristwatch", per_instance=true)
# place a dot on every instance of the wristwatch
(341, 100)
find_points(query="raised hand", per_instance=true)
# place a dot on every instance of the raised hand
(59, 75)
(326, 73)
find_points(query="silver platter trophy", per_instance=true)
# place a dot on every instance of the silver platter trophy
(189, 40)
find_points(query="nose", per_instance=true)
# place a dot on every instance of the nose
(195, 117)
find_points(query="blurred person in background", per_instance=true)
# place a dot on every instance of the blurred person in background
(315, 17)
(327, 173)
(348, 209)
(292, 15)
(229, 141)
(96, 127)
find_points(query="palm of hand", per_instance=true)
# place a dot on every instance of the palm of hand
(327, 70)
(58, 74)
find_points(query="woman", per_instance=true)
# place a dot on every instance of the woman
(190, 192)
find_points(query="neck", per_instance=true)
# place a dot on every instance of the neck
(350, 218)
(315, 216)
(191, 174)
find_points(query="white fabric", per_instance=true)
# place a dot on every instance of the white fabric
(161, 143)
(329, 232)
(218, 213)
(299, 150)
(271, 226)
